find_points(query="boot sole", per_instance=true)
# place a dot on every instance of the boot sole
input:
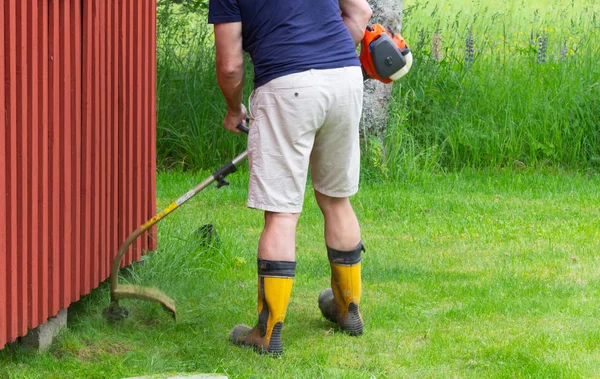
(275, 348)
(354, 323)
(275, 344)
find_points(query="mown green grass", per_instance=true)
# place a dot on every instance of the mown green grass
(490, 274)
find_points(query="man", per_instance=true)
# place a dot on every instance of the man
(305, 109)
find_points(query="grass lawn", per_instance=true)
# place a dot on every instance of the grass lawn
(492, 274)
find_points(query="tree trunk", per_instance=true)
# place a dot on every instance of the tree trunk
(377, 95)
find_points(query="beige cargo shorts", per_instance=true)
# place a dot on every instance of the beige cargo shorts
(302, 120)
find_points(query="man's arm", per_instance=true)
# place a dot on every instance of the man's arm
(230, 71)
(356, 15)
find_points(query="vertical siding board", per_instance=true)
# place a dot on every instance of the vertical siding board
(3, 189)
(76, 30)
(11, 222)
(23, 194)
(125, 181)
(96, 126)
(148, 100)
(86, 151)
(115, 29)
(134, 146)
(152, 197)
(33, 142)
(138, 126)
(108, 128)
(149, 74)
(43, 162)
(145, 127)
(55, 156)
(66, 203)
(122, 120)
(102, 227)
(107, 139)
(130, 126)
(107, 135)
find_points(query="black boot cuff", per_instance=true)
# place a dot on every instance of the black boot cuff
(351, 257)
(276, 268)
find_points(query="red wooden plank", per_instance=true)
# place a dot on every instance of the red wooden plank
(101, 54)
(129, 127)
(115, 29)
(86, 153)
(136, 126)
(109, 137)
(43, 162)
(123, 225)
(55, 158)
(109, 134)
(144, 127)
(34, 170)
(11, 172)
(106, 138)
(67, 130)
(23, 194)
(76, 58)
(122, 120)
(148, 134)
(151, 74)
(3, 189)
(154, 239)
(108, 128)
(96, 126)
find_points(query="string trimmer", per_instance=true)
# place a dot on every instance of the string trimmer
(127, 291)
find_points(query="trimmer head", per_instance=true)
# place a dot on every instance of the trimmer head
(116, 313)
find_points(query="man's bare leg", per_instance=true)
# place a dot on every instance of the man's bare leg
(276, 270)
(341, 302)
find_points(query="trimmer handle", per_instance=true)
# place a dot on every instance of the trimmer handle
(243, 128)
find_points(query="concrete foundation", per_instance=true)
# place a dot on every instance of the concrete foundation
(41, 337)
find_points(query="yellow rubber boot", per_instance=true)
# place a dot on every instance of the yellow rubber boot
(341, 302)
(275, 281)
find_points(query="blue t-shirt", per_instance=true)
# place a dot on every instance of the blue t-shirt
(288, 36)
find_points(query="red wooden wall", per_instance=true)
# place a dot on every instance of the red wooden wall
(77, 148)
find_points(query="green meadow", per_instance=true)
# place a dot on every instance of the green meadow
(479, 209)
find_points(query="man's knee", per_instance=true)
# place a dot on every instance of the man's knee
(281, 219)
(328, 203)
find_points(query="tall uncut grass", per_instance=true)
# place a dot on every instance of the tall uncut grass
(511, 84)
(503, 84)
